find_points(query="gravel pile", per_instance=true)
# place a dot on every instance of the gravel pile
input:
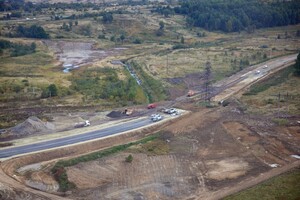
(32, 125)
(115, 114)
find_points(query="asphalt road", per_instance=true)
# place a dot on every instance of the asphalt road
(13, 151)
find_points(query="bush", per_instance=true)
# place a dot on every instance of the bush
(101, 36)
(33, 31)
(179, 46)
(137, 41)
(129, 158)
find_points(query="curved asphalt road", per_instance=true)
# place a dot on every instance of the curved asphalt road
(8, 152)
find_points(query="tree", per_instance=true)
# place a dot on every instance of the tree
(122, 38)
(207, 81)
(107, 18)
(297, 65)
(160, 31)
(70, 24)
(161, 25)
(182, 40)
(52, 90)
(33, 46)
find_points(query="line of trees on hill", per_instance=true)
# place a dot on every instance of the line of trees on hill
(34, 31)
(237, 15)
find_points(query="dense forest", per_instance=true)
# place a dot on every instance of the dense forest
(237, 15)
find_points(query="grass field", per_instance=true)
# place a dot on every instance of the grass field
(278, 94)
(285, 186)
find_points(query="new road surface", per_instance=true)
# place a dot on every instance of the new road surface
(13, 151)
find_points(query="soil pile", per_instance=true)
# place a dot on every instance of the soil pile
(115, 114)
(31, 126)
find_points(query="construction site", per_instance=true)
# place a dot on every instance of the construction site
(133, 101)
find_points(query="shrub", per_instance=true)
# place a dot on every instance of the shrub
(129, 158)
(137, 41)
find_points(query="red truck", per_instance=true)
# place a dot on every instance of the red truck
(151, 105)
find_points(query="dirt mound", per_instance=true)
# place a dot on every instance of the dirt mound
(32, 125)
(115, 114)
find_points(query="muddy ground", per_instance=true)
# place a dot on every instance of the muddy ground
(76, 54)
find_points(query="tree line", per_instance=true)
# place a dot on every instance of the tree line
(33, 31)
(16, 48)
(238, 15)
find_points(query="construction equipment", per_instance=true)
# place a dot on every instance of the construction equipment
(127, 111)
(82, 124)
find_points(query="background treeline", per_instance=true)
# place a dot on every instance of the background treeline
(237, 15)
(13, 5)
(16, 49)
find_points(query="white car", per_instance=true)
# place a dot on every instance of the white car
(156, 117)
(265, 66)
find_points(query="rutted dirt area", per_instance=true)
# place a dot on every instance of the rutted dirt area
(209, 151)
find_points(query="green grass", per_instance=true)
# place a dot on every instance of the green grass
(59, 171)
(280, 121)
(152, 87)
(278, 79)
(285, 186)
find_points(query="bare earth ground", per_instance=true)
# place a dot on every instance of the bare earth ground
(79, 53)
(209, 152)
(204, 158)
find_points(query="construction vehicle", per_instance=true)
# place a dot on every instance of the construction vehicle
(82, 124)
(151, 106)
(127, 111)
(191, 93)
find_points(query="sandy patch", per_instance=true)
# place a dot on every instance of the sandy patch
(229, 168)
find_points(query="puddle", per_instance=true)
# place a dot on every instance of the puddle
(76, 54)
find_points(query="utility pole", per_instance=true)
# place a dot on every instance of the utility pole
(167, 64)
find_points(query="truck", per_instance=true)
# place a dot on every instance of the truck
(127, 111)
(191, 93)
(82, 124)
(151, 106)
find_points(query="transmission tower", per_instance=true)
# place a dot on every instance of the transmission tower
(207, 81)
